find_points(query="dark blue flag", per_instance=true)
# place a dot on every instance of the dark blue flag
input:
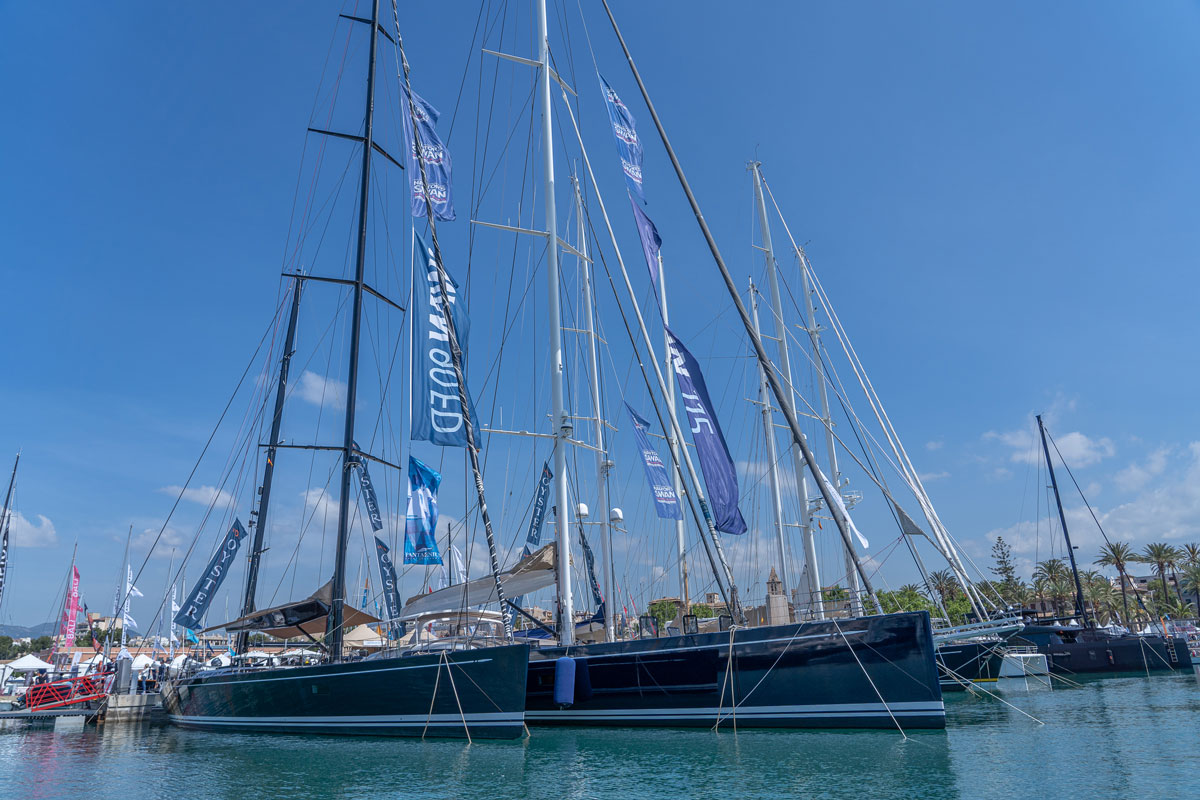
(214, 575)
(541, 497)
(420, 544)
(437, 414)
(629, 146)
(387, 578)
(651, 241)
(437, 163)
(368, 491)
(715, 462)
(666, 504)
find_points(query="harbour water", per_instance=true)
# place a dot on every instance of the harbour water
(1115, 737)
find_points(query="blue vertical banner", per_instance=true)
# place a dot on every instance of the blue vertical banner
(367, 489)
(541, 496)
(420, 545)
(437, 413)
(629, 146)
(666, 503)
(437, 184)
(387, 579)
(214, 575)
(720, 477)
(651, 241)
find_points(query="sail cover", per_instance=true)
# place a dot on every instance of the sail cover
(531, 573)
(300, 618)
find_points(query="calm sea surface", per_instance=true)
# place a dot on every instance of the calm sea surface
(1117, 737)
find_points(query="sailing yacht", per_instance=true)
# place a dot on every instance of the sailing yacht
(468, 692)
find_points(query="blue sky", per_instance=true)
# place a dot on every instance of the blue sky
(999, 198)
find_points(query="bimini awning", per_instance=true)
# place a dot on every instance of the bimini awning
(301, 618)
(534, 571)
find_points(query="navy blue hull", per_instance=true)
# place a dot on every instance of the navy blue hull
(1073, 652)
(968, 661)
(805, 675)
(420, 695)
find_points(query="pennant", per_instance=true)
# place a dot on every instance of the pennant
(214, 575)
(541, 496)
(629, 146)
(437, 185)
(368, 489)
(589, 559)
(437, 413)
(130, 589)
(456, 573)
(666, 503)
(387, 579)
(715, 462)
(651, 241)
(841, 507)
(3, 555)
(420, 546)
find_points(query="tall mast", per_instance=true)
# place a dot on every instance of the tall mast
(811, 585)
(759, 351)
(602, 463)
(333, 624)
(1062, 518)
(835, 475)
(673, 440)
(764, 399)
(4, 528)
(259, 518)
(562, 425)
(128, 584)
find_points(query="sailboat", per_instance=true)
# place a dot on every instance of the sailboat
(865, 672)
(1087, 648)
(477, 692)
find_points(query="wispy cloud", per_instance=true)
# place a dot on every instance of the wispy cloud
(1136, 475)
(1078, 449)
(321, 390)
(318, 503)
(1168, 511)
(25, 533)
(172, 539)
(937, 444)
(201, 495)
(932, 476)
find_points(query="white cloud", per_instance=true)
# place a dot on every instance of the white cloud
(1169, 511)
(318, 503)
(933, 476)
(1077, 449)
(202, 495)
(935, 445)
(26, 534)
(321, 391)
(171, 539)
(1136, 475)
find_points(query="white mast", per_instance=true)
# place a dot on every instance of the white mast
(602, 463)
(127, 575)
(562, 425)
(810, 585)
(835, 477)
(673, 443)
(764, 399)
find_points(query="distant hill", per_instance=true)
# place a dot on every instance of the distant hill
(20, 631)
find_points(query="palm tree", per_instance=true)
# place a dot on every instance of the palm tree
(1060, 587)
(1117, 555)
(1053, 572)
(1161, 555)
(1099, 593)
(1191, 555)
(1191, 581)
(1177, 609)
(944, 583)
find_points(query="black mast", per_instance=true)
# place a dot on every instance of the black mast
(4, 528)
(333, 624)
(1062, 518)
(259, 518)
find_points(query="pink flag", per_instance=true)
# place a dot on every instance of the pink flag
(67, 629)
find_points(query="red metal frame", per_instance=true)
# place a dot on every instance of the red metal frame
(68, 691)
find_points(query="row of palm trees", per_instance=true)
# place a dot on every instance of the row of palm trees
(1053, 583)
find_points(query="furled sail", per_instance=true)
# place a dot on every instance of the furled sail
(535, 571)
